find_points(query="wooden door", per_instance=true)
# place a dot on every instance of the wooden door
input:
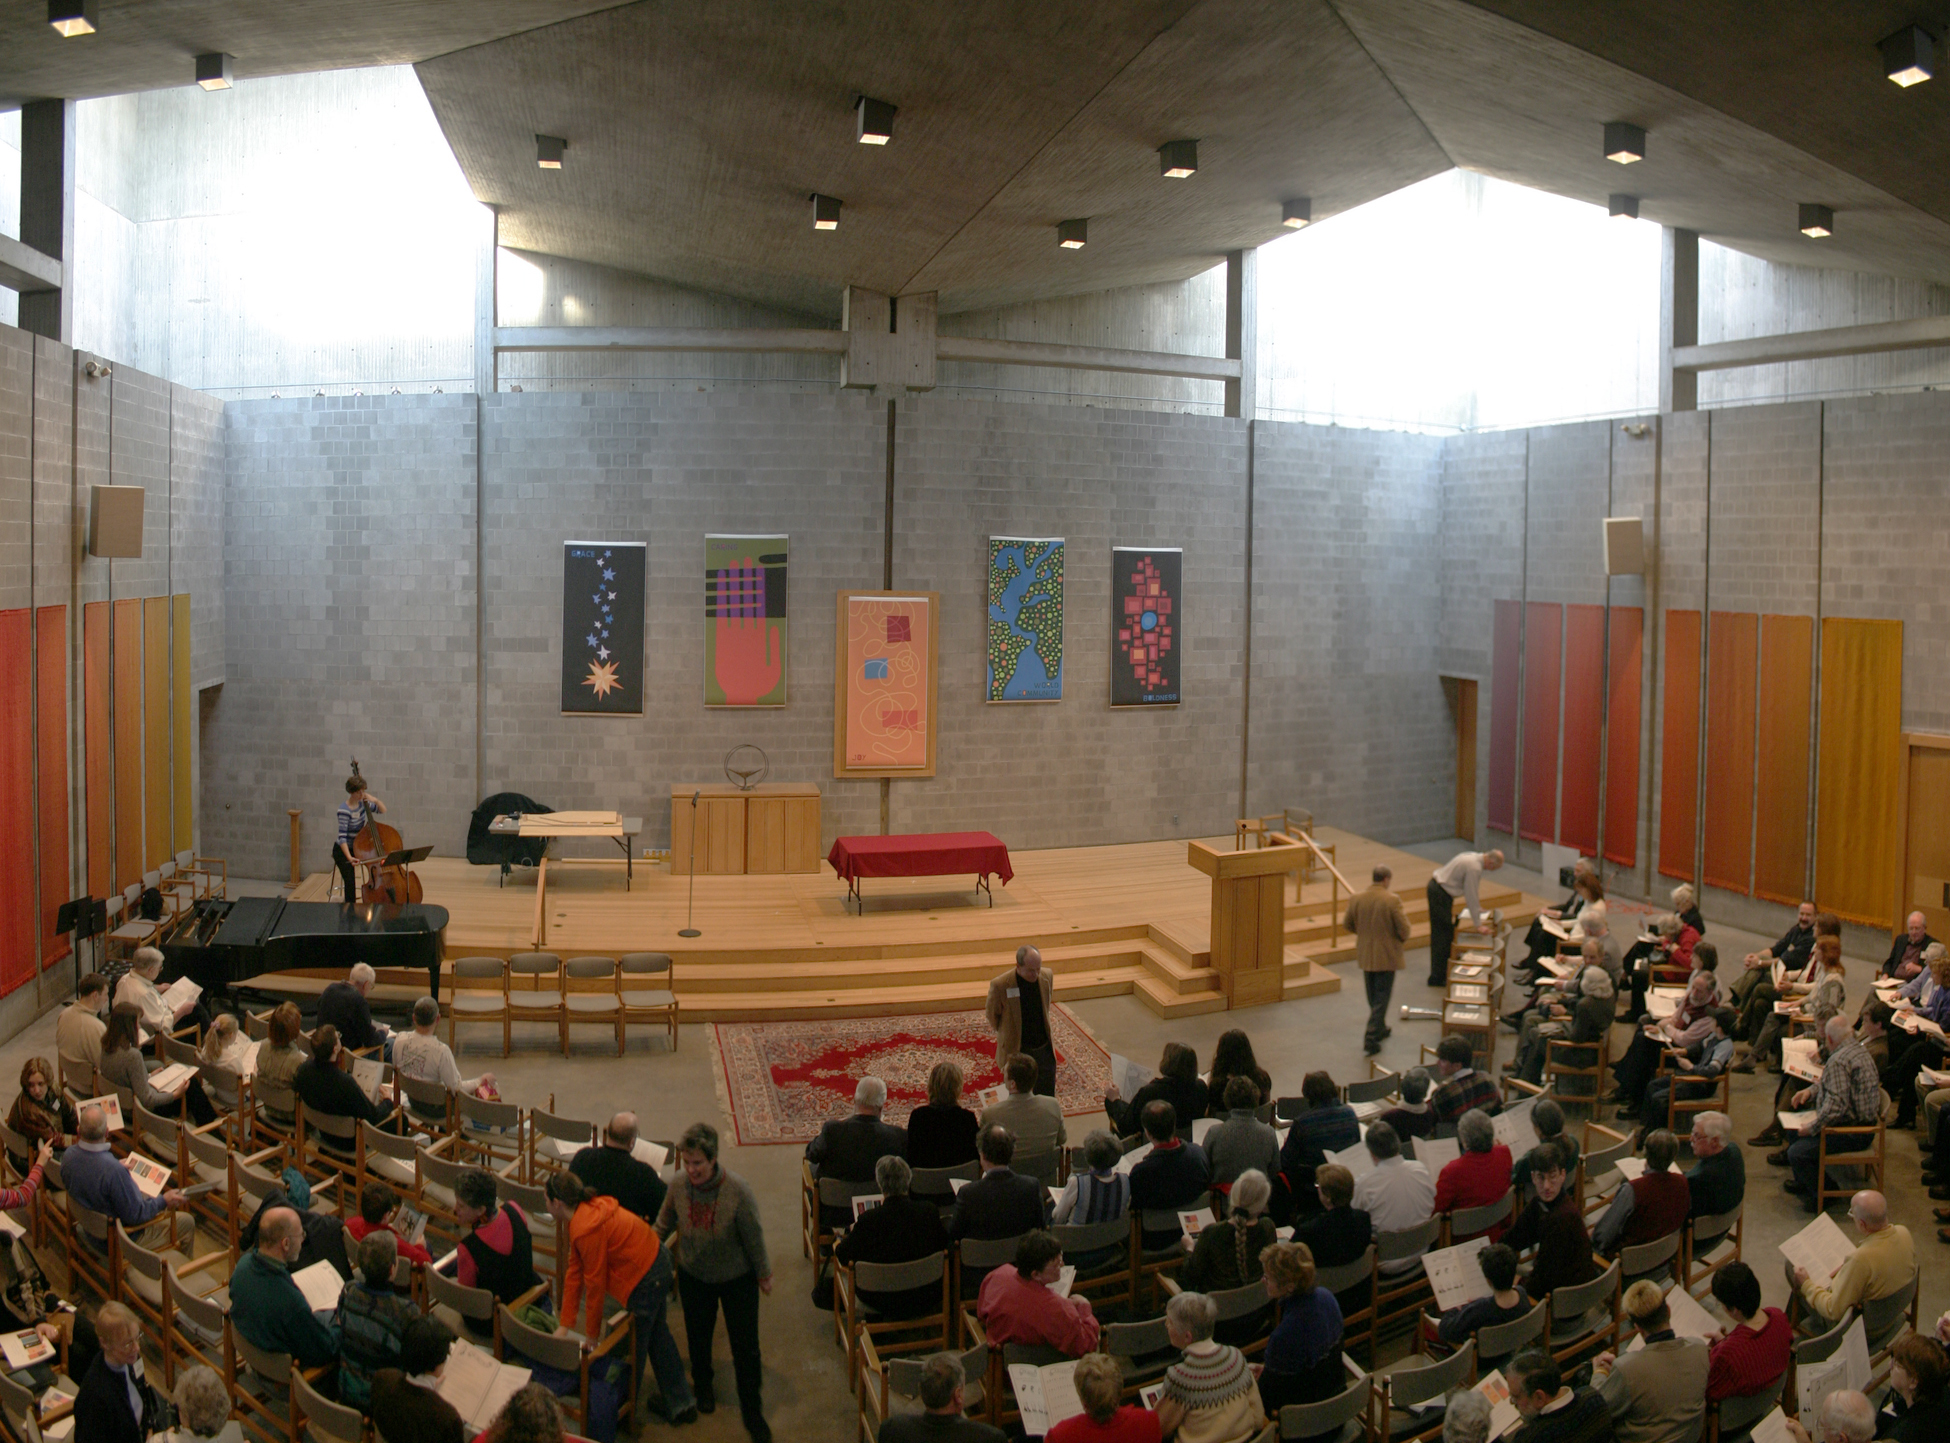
(1926, 844)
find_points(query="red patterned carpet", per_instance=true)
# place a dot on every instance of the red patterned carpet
(781, 1080)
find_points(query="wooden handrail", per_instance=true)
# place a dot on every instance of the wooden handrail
(1325, 861)
(1294, 839)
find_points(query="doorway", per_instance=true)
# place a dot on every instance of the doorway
(1461, 693)
(1925, 872)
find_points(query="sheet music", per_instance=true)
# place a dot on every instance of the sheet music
(1194, 1222)
(24, 1349)
(1065, 1280)
(1556, 928)
(1563, 967)
(1821, 1247)
(1436, 1153)
(247, 1064)
(1132, 1158)
(1935, 1077)
(151, 1178)
(1503, 1412)
(1128, 1076)
(111, 1107)
(1357, 1160)
(1662, 1002)
(1465, 1016)
(370, 1074)
(1772, 1429)
(1512, 1126)
(1369, 1111)
(1149, 1396)
(993, 1095)
(1456, 1274)
(181, 993)
(1630, 1168)
(478, 1386)
(1046, 1395)
(172, 1078)
(866, 1202)
(649, 1152)
(956, 1184)
(1847, 1368)
(410, 1223)
(1801, 1057)
(321, 1285)
(1793, 1122)
(1468, 992)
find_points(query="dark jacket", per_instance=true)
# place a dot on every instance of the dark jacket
(940, 1136)
(101, 1407)
(1898, 947)
(406, 1410)
(612, 1172)
(1188, 1100)
(341, 1005)
(1215, 1091)
(1336, 1236)
(936, 1428)
(899, 1230)
(1000, 1204)
(1562, 1241)
(1797, 945)
(849, 1148)
(1719, 1182)
(1169, 1177)
(325, 1088)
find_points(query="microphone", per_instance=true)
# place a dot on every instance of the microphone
(695, 795)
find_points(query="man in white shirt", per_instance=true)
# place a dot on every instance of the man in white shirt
(425, 1058)
(138, 988)
(1459, 877)
(1395, 1193)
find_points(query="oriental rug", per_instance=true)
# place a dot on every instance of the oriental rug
(780, 1081)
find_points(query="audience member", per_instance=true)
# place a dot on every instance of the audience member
(944, 1418)
(1553, 1411)
(1100, 1383)
(42, 1112)
(1717, 1180)
(1905, 958)
(531, 1415)
(1242, 1142)
(1694, 1072)
(1848, 1095)
(283, 1052)
(1327, 1125)
(378, 1205)
(611, 1168)
(138, 989)
(324, 1083)
(722, 1260)
(1580, 1020)
(1466, 1419)
(1034, 1117)
(1656, 1392)
(95, 1178)
(1917, 1412)
(1210, 1394)
(1653, 1205)
(941, 1132)
(1460, 879)
(1845, 1416)
(1461, 1086)
(203, 1409)
(1771, 979)
(1585, 890)
(1016, 1304)
(371, 1319)
(1226, 1254)
(405, 1403)
(422, 1056)
(1338, 1233)
(1821, 1001)
(497, 1250)
(1173, 1175)
(897, 1229)
(115, 1403)
(1676, 935)
(1099, 1193)
(1754, 1353)
(1690, 1022)
(1395, 1193)
(1411, 1116)
(1884, 1262)
(78, 1032)
(1925, 1051)
(122, 1065)
(1380, 928)
(1177, 1083)
(1001, 1203)
(1232, 1056)
(266, 1306)
(1552, 1223)
(342, 1006)
(222, 1052)
(1479, 1176)
(1797, 944)
(1303, 1357)
(1505, 1304)
(848, 1149)
(1547, 1123)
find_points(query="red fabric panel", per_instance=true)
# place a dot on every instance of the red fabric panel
(17, 912)
(127, 636)
(97, 764)
(1731, 650)
(1584, 726)
(1679, 749)
(51, 682)
(1505, 666)
(1625, 659)
(1543, 642)
(938, 854)
(1787, 680)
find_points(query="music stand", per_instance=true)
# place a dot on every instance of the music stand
(85, 917)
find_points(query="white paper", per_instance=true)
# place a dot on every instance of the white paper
(1149, 1396)
(1821, 1247)
(1456, 1274)
(111, 1107)
(1772, 1429)
(1065, 1280)
(25, 1349)
(956, 1184)
(1366, 1112)
(1046, 1395)
(864, 1202)
(1128, 1076)
(1848, 1367)
(1465, 1016)
(1556, 928)
(1935, 1077)
(1793, 1122)
(1563, 967)
(370, 1074)
(1195, 1222)
(1630, 1168)
(152, 1179)
(649, 1152)
(181, 993)
(1436, 1153)
(478, 1386)
(1662, 1002)
(171, 1078)
(1132, 1158)
(1503, 1412)
(993, 1095)
(247, 1064)
(1512, 1126)
(1801, 1057)
(321, 1285)
(410, 1223)
(1468, 992)
(1201, 1127)
(1357, 1160)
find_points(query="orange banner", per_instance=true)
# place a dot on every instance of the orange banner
(51, 758)
(1543, 638)
(888, 641)
(97, 763)
(1624, 659)
(1859, 763)
(1584, 726)
(128, 743)
(1731, 648)
(1679, 749)
(1787, 682)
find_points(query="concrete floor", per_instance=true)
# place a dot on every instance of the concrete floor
(806, 1397)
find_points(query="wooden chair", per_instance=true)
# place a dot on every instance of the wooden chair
(893, 1385)
(1143, 1351)
(1418, 1380)
(1868, 1161)
(1498, 1343)
(937, 1184)
(549, 1243)
(1584, 1317)
(145, 1283)
(493, 1132)
(975, 1259)
(91, 1259)
(262, 1387)
(250, 1185)
(1402, 1294)
(318, 1418)
(855, 1320)
(1733, 1418)
(206, 877)
(328, 1151)
(554, 1141)
(22, 1410)
(438, 1174)
(817, 1194)
(131, 931)
(1598, 1174)
(1818, 1349)
(1459, 1225)
(1656, 1261)
(1109, 1279)
(535, 991)
(1342, 1417)
(568, 1355)
(1680, 1110)
(1358, 1320)
(1245, 1314)
(1378, 1088)
(1710, 1244)
(649, 990)
(1885, 1320)
(592, 996)
(274, 1114)
(480, 994)
(198, 1329)
(1157, 1263)
(429, 1105)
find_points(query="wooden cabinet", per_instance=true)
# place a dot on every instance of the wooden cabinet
(772, 828)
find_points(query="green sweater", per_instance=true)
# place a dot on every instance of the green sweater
(719, 1236)
(271, 1313)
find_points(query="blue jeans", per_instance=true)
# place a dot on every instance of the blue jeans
(647, 1303)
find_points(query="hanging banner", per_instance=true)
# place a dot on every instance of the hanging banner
(1025, 653)
(744, 620)
(1147, 620)
(602, 628)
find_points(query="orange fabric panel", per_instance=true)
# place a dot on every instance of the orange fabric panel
(1787, 683)
(1732, 647)
(1859, 761)
(1543, 640)
(51, 684)
(1679, 749)
(1625, 658)
(155, 732)
(127, 692)
(181, 730)
(1584, 726)
(1505, 664)
(97, 763)
(17, 909)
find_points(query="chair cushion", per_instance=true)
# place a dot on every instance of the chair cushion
(462, 1002)
(649, 999)
(595, 1003)
(535, 1001)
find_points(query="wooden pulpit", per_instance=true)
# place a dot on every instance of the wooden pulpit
(1248, 919)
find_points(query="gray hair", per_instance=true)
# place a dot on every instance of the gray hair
(426, 1012)
(892, 1176)
(1475, 1131)
(1192, 1314)
(1101, 1149)
(1934, 953)
(1251, 1192)
(1467, 1419)
(1683, 896)
(940, 1376)
(202, 1401)
(1596, 982)
(871, 1092)
(1848, 1413)
(146, 959)
(1715, 1124)
(378, 1256)
(1415, 1085)
(361, 975)
(1838, 1030)
(1595, 926)
(92, 1124)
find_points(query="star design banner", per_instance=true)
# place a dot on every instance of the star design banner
(602, 628)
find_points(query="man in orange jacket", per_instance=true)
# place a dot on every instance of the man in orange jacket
(614, 1253)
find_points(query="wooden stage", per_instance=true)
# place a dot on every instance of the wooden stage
(1133, 918)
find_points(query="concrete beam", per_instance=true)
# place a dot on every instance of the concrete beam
(1678, 317)
(1912, 335)
(667, 338)
(487, 268)
(22, 268)
(47, 160)
(1242, 331)
(1084, 358)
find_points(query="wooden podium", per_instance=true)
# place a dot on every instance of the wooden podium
(772, 828)
(1248, 919)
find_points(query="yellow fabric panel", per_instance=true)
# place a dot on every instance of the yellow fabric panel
(155, 732)
(1860, 764)
(181, 729)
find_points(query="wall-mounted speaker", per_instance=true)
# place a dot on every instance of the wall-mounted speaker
(1624, 546)
(115, 521)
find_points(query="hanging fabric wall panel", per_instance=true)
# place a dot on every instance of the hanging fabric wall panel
(1543, 640)
(128, 743)
(51, 692)
(17, 899)
(1859, 762)
(1625, 656)
(1505, 664)
(98, 766)
(1679, 749)
(1787, 658)
(1584, 726)
(1728, 852)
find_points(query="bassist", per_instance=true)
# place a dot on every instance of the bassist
(355, 812)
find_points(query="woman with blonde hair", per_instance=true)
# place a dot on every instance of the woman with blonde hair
(1303, 1357)
(941, 1132)
(1100, 1383)
(531, 1416)
(224, 1048)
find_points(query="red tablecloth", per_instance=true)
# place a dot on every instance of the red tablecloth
(933, 854)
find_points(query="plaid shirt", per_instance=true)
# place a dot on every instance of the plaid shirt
(1456, 1095)
(1849, 1093)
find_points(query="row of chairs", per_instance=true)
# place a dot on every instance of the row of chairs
(607, 992)
(183, 881)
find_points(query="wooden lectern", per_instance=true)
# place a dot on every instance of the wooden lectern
(1248, 919)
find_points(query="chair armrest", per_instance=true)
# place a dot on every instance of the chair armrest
(207, 1260)
(974, 1326)
(214, 1125)
(441, 1147)
(263, 1156)
(618, 1331)
(1170, 1284)
(533, 1295)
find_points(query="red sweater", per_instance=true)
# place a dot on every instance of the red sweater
(360, 1229)
(1661, 1203)
(1474, 1180)
(1746, 1361)
(1129, 1424)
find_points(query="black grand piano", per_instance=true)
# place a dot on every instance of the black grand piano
(235, 941)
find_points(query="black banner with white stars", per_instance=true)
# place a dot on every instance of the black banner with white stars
(602, 627)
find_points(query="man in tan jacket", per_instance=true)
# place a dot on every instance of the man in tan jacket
(1380, 929)
(1018, 1010)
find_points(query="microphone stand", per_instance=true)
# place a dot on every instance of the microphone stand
(688, 930)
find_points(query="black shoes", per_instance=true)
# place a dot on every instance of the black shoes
(707, 1398)
(660, 1410)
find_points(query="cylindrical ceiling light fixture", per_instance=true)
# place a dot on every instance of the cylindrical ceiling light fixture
(1072, 235)
(1624, 141)
(213, 71)
(549, 150)
(72, 17)
(873, 121)
(1624, 207)
(826, 212)
(1909, 56)
(1817, 221)
(1297, 214)
(1178, 159)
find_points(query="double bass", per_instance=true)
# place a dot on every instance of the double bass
(374, 841)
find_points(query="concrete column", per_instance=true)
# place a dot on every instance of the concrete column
(47, 212)
(1678, 317)
(1242, 331)
(487, 270)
